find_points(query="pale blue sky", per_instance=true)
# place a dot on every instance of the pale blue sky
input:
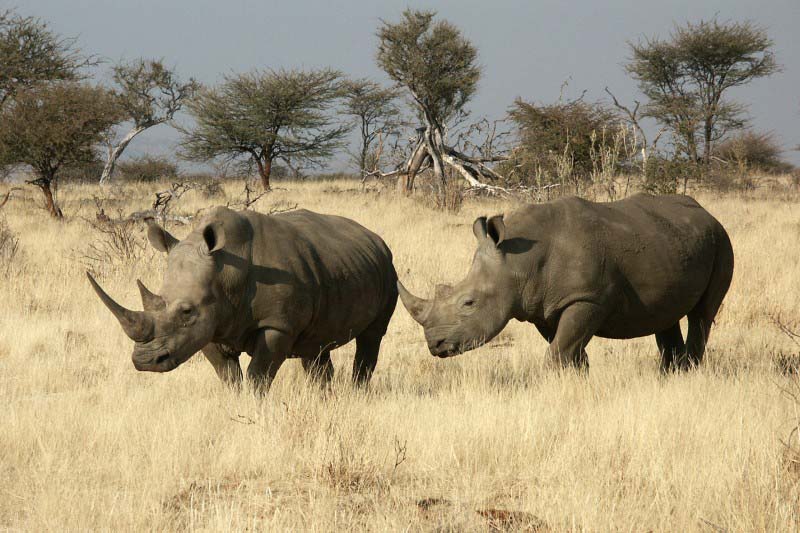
(527, 49)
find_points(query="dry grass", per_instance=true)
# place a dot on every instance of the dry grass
(486, 441)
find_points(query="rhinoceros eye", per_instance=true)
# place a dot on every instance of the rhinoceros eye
(185, 311)
(469, 302)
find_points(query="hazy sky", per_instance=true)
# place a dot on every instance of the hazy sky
(527, 49)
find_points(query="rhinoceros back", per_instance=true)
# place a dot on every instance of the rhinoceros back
(322, 278)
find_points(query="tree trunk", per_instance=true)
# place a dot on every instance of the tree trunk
(708, 132)
(265, 170)
(116, 152)
(435, 145)
(415, 162)
(49, 199)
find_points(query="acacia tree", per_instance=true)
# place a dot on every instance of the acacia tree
(686, 77)
(437, 65)
(30, 53)
(52, 126)
(376, 114)
(264, 116)
(149, 94)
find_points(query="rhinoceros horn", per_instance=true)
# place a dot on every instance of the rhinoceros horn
(418, 307)
(137, 325)
(150, 301)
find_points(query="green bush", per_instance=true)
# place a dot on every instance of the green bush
(146, 169)
(754, 151)
(559, 141)
(665, 175)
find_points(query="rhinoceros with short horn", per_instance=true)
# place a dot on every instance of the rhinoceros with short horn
(578, 269)
(295, 284)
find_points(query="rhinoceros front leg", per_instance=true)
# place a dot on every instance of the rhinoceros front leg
(320, 367)
(225, 362)
(576, 327)
(271, 349)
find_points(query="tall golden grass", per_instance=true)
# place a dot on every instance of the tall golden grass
(490, 439)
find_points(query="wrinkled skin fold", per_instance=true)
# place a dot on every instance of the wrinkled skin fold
(578, 269)
(298, 284)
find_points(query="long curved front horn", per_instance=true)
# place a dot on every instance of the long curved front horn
(137, 325)
(418, 307)
(151, 302)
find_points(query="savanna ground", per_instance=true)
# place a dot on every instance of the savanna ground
(487, 440)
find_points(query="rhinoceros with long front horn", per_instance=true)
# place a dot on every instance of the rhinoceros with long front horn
(578, 269)
(295, 284)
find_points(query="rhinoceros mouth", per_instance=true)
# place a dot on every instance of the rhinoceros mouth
(445, 351)
(162, 362)
(452, 349)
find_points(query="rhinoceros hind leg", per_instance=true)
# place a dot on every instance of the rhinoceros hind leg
(225, 362)
(576, 327)
(367, 347)
(702, 316)
(671, 347)
(320, 367)
(271, 350)
(700, 320)
(368, 343)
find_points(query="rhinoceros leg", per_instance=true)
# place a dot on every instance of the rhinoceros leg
(225, 362)
(367, 347)
(271, 349)
(702, 316)
(576, 327)
(368, 343)
(320, 367)
(671, 347)
(700, 320)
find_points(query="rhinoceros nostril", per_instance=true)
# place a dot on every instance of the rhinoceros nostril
(161, 358)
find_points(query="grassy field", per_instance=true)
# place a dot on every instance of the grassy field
(490, 440)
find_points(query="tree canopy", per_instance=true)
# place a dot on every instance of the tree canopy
(149, 93)
(264, 116)
(376, 113)
(30, 53)
(685, 79)
(53, 126)
(433, 60)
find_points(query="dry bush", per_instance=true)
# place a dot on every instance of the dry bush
(754, 151)
(566, 143)
(147, 169)
(9, 246)
(116, 243)
(449, 196)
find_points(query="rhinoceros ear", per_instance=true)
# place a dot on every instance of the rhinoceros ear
(496, 229)
(160, 238)
(492, 231)
(214, 237)
(479, 228)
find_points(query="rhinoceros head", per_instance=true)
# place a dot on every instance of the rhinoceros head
(183, 319)
(470, 313)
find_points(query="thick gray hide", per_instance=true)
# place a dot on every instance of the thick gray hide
(576, 269)
(296, 284)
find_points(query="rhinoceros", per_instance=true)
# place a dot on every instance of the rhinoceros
(577, 269)
(295, 284)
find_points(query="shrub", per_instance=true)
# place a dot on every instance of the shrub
(9, 246)
(88, 171)
(560, 141)
(147, 169)
(116, 243)
(667, 175)
(752, 151)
